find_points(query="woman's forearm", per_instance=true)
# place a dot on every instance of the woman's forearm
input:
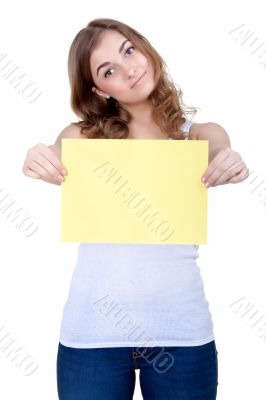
(216, 135)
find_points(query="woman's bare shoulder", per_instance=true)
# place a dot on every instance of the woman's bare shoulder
(197, 130)
(71, 131)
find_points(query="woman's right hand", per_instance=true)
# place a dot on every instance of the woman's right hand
(43, 162)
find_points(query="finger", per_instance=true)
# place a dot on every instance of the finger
(45, 167)
(211, 173)
(227, 168)
(56, 162)
(240, 177)
(31, 174)
(49, 155)
(237, 177)
(51, 175)
(232, 171)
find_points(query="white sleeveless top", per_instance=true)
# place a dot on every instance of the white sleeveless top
(145, 295)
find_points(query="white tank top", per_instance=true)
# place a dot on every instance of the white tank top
(124, 295)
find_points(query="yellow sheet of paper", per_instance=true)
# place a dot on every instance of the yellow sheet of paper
(134, 191)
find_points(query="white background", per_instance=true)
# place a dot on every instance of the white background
(216, 73)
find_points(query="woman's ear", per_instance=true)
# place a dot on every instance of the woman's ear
(94, 90)
(100, 93)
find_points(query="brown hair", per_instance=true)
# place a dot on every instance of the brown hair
(106, 118)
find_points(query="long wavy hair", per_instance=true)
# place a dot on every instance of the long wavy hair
(106, 118)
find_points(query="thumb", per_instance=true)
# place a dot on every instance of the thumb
(232, 180)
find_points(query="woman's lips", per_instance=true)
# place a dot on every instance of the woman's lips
(139, 80)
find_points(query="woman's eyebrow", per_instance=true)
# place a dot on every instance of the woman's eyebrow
(108, 62)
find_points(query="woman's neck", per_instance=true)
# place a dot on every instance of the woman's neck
(147, 130)
(141, 113)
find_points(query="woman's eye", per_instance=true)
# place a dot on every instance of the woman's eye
(106, 73)
(130, 48)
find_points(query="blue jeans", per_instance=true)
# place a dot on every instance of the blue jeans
(166, 373)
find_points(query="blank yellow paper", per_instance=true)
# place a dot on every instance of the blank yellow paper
(134, 191)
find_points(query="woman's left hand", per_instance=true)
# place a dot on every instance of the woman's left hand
(226, 167)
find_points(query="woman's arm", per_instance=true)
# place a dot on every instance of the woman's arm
(214, 133)
(44, 162)
(70, 132)
(225, 164)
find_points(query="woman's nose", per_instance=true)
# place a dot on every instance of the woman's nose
(132, 73)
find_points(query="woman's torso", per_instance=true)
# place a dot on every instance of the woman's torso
(136, 295)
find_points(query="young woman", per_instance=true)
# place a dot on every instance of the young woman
(133, 306)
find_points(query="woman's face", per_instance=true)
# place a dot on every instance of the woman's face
(116, 65)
